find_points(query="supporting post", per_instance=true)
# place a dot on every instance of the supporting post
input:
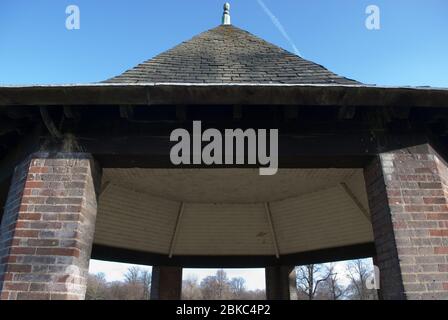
(281, 283)
(166, 283)
(47, 229)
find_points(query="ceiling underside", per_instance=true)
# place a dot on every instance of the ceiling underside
(225, 213)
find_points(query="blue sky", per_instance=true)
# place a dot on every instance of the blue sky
(410, 48)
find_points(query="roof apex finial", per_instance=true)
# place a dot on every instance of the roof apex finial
(226, 15)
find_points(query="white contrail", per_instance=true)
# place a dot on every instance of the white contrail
(279, 26)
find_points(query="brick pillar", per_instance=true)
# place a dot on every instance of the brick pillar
(281, 283)
(166, 283)
(407, 191)
(47, 228)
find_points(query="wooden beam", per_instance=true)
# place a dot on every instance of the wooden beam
(291, 113)
(334, 150)
(181, 113)
(401, 113)
(69, 113)
(165, 94)
(9, 126)
(26, 146)
(49, 123)
(357, 251)
(127, 112)
(237, 112)
(346, 113)
(300, 145)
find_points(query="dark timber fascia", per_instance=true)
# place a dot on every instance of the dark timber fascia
(358, 251)
(217, 94)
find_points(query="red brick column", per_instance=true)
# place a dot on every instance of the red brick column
(166, 283)
(47, 229)
(407, 191)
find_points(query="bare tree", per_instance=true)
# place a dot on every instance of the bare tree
(254, 295)
(136, 286)
(309, 279)
(219, 287)
(119, 290)
(132, 276)
(358, 271)
(145, 278)
(138, 283)
(237, 287)
(331, 289)
(223, 283)
(96, 287)
(216, 287)
(191, 289)
(209, 288)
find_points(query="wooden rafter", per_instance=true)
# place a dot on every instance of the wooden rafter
(355, 200)
(267, 208)
(176, 229)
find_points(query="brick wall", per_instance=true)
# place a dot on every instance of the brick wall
(47, 228)
(407, 192)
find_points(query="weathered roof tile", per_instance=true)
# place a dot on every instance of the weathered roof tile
(227, 54)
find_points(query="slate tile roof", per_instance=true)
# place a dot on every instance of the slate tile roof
(227, 54)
